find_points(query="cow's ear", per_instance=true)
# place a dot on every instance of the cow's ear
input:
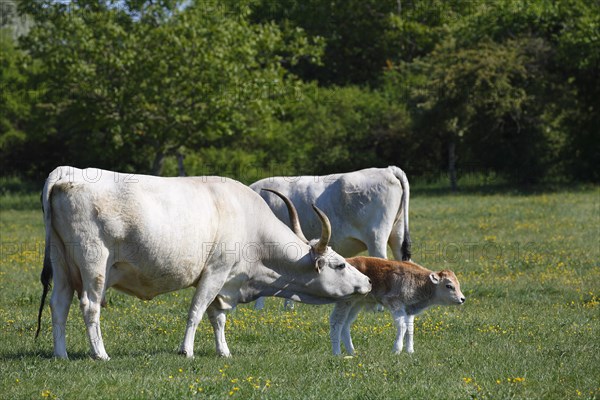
(319, 264)
(435, 278)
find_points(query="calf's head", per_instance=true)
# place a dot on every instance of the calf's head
(447, 288)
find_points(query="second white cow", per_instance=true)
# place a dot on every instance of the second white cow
(368, 209)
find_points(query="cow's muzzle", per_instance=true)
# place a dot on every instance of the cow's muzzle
(363, 289)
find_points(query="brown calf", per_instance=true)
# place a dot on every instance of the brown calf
(404, 287)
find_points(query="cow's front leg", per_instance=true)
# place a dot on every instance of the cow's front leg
(259, 304)
(217, 319)
(206, 291)
(399, 316)
(337, 320)
(346, 336)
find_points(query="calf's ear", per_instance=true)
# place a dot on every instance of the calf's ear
(435, 278)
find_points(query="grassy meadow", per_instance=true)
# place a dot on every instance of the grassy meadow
(528, 265)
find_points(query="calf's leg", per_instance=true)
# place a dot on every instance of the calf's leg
(410, 328)
(399, 316)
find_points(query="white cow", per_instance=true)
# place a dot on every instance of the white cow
(147, 235)
(368, 209)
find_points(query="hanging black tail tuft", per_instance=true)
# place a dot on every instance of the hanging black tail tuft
(45, 278)
(406, 247)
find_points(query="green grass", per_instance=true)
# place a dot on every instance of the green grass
(528, 264)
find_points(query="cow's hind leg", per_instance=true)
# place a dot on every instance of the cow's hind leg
(399, 241)
(377, 246)
(399, 245)
(61, 298)
(206, 291)
(217, 319)
(93, 280)
(60, 303)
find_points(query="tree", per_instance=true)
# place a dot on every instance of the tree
(364, 37)
(567, 83)
(15, 102)
(342, 129)
(128, 85)
(476, 105)
(578, 58)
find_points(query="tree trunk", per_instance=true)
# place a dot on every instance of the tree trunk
(159, 161)
(452, 165)
(180, 166)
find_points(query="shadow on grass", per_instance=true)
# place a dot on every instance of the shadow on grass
(437, 189)
(42, 354)
(15, 355)
(23, 195)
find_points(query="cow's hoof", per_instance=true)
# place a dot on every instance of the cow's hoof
(101, 357)
(186, 353)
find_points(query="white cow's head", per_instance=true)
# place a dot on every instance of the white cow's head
(334, 274)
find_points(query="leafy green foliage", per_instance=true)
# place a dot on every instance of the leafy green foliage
(15, 101)
(504, 88)
(495, 88)
(141, 83)
(484, 99)
(346, 127)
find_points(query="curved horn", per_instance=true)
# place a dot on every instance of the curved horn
(293, 214)
(325, 231)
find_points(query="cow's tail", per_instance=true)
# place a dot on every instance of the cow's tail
(46, 276)
(404, 204)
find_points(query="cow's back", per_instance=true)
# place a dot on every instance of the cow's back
(118, 207)
(350, 200)
(303, 191)
(160, 233)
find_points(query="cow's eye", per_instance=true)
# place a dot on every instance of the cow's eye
(340, 266)
(450, 287)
